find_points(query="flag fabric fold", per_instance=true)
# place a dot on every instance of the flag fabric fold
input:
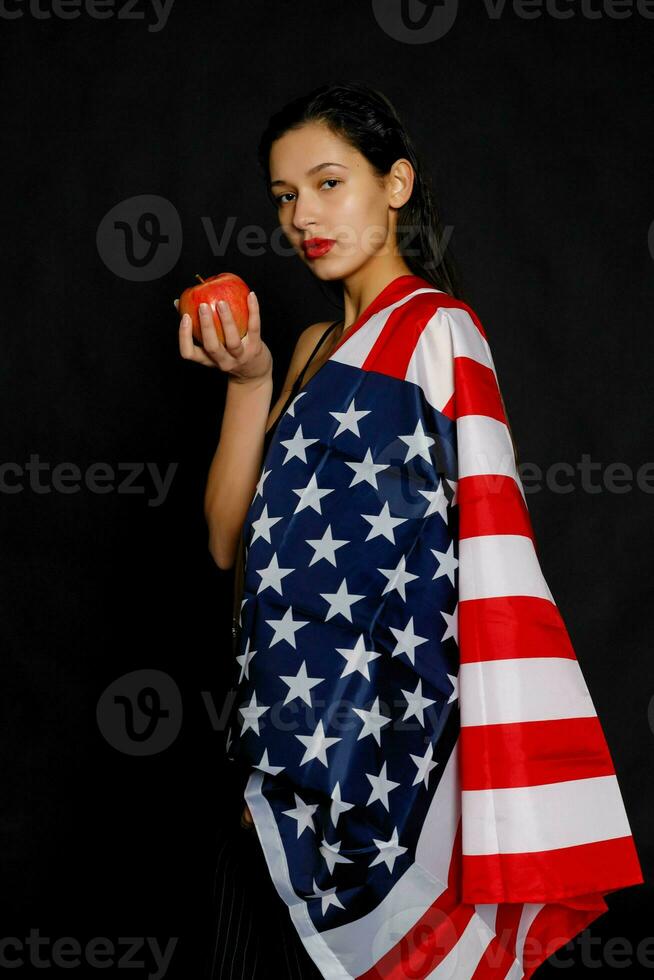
(430, 782)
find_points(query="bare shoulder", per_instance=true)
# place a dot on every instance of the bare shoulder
(312, 334)
(304, 345)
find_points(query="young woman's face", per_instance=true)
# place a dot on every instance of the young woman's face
(326, 189)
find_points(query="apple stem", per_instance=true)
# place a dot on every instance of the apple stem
(197, 276)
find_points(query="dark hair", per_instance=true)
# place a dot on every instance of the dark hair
(366, 119)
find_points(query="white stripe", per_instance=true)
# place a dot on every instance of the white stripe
(432, 366)
(488, 912)
(467, 341)
(462, 959)
(521, 819)
(515, 972)
(358, 345)
(484, 448)
(492, 565)
(362, 943)
(522, 689)
(529, 912)
(438, 832)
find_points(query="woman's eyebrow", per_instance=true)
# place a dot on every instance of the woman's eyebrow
(313, 170)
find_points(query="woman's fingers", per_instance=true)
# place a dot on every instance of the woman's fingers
(189, 350)
(232, 334)
(254, 319)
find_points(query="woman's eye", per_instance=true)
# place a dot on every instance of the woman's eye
(279, 199)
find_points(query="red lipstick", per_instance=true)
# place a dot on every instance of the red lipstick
(315, 247)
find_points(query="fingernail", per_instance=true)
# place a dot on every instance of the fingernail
(222, 304)
(204, 307)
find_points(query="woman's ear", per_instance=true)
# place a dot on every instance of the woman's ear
(400, 182)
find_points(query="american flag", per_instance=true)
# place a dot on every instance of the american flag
(430, 783)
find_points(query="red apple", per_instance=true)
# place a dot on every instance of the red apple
(225, 286)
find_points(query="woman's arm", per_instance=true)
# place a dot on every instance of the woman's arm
(236, 464)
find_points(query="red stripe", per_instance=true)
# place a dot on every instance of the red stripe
(533, 753)
(553, 927)
(449, 409)
(476, 390)
(506, 627)
(395, 346)
(500, 953)
(492, 504)
(550, 876)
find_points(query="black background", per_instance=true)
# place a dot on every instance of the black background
(537, 134)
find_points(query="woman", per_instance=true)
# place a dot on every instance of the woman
(347, 722)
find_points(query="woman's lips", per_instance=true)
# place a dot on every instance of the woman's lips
(316, 247)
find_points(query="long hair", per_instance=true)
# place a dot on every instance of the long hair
(365, 118)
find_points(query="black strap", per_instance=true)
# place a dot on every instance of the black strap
(298, 380)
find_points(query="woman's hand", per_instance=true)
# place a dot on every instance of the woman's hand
(246, 818)
(244, 359)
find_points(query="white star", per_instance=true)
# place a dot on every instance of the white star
(383, 524)
(262, 480)
(262, 525)
(447, 562)
(452, 620)
(425, 766)
(357, 658)
(381, 787)
(296, 446)
(325, 547)
(338, 805)
(397, 577)
(438, 502)
(349, 420)
(366, 470)
(416, 704)
(251, 714)
(316, 744)
(328, 897)
(340, 602)
(389, 851)
(332, 856)
(303, 813)
(373, 722)
(265, 765)
(454, 680)
(407, 641)
(285, 627)
(244, 660)
(311, 495)
(272, 575)
(291, 407)
(299, 685)
(418, 443)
